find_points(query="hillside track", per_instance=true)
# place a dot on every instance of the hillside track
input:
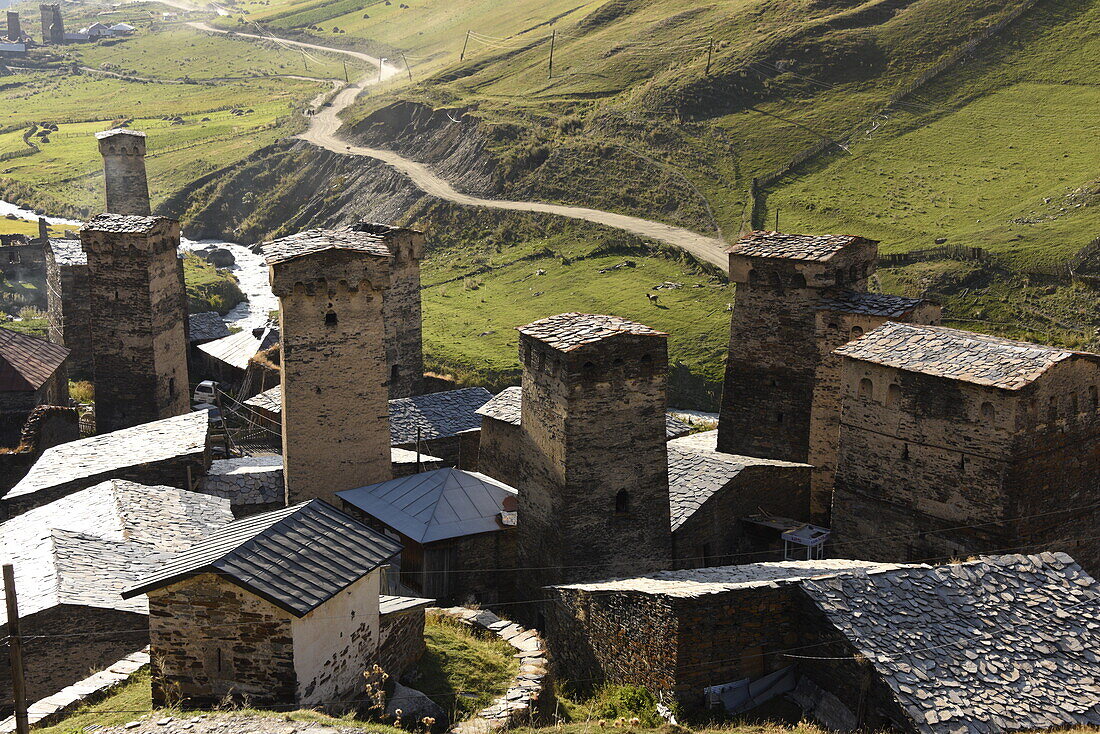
(325, 125)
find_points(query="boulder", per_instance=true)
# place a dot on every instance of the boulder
(414, 705)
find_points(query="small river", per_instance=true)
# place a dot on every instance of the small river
(250, 271)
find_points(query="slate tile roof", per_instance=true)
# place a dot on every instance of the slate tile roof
(870, 304)
(958, 355)
(123, 223)
(118, 131)
(206, 326)
(68, 252)
(434, 505)
(394, 604)
(84, 549)
(319, 240)
(1003, 643)
(438, 414)
(236, 349)
(296, 557)
(103, 456)
(27, 362)
(507, 404)
(718, 579)
(569, 331)
(792, 246)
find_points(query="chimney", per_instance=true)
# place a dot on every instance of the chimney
(123, 154)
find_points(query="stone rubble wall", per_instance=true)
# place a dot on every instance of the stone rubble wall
(244, 485)
(532, 690)
(400, 641)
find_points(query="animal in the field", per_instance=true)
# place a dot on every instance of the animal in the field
(653, 298)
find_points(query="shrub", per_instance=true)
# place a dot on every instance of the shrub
(614, 702)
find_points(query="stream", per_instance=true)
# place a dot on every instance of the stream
(249, 269)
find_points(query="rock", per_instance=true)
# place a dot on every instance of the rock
(414, 705)
(219, 257)
(131, 725)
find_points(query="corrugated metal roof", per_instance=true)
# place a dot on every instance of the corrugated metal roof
(297, 557)
(236, 349)
(27, 362)
(434, 505)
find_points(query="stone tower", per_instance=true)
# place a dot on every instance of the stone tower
(15, 31)
(123, 154)
(53, 28)
(404, 339)
(593, 475)
(138, 316)
(331, 287)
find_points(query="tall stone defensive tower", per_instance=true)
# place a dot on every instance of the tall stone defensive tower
(53, 28)
(593, 475)
(331, 287)
(123, 154)
(15, 30)
(401, 308)
(138, 316)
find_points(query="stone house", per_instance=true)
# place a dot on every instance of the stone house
(798, 298)
(448, 423)
(73, 557)
(170, 452)
(679, 632)
(32, 373)
(281, 607)
(954, 443)
(69, 303)
(22, 259)
(47, 426)
(453, 527)
(998, 644)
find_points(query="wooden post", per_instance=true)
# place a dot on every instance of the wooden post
(553, 37)
(346, 73)
(418, 449)
(777, 219)
(15, 646)
(407, 67)
(465, 43)
(710, 55)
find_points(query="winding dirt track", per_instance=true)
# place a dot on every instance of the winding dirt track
(325, 124)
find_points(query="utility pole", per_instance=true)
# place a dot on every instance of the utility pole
(462, 55)
(407, 67)
(346, 73)
(710, 55)
(553, 37)
(15, 646)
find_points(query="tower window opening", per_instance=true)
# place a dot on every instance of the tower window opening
(622, 502)
(330, 318)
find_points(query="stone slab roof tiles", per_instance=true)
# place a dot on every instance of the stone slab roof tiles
(122, 223)
(395, 604)
(206, 326)
(123, 131)
(86, 548)
(569, 331)
(1006, 643)
(437, 414)
(791, 246)
(27, 362)
(99, 456)
(270, 400)
(870, 304)
(718, 579)
(319, 240)
(435, 505)
(957, 355)
(68, 252)
(297, 557)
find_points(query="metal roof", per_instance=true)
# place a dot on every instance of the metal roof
(297, 557)
(236, 349)
(434, 505)
(27, 362)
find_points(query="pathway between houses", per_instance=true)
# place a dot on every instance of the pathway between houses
(325, 125)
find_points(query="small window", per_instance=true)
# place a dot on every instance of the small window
(622, 502)
(866, 388)
(857, 332)
(395, 373)
(834, 326)
(989, 413)
(330, 318)
(905, 452)
(588, 372)
(893, 396)
(171, 385)
(646, 358)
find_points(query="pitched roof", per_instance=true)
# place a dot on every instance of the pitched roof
(506, 406)
(569, 331)
(958, 355)
(434, 505)
(718, 579)
(437, 414)
(270, 400)
(296, 557)
(236, 349)
(319, 240)
(394, 604)
(998, 644)
(792, 246)
(123, 131)
(84, 549)
(206, 326)
(27, 362)
(106, 455)
(870, 304)
(68, 252)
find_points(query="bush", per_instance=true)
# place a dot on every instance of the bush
(627, 702)
(81, 391)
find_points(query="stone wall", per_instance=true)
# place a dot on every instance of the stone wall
(210, 638)
(499, 445)
(251, 484)
(401, 641)
(335, 412)
(69, 309)
(139, 312)
(476, 575)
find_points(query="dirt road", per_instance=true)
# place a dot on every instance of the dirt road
(325, 124)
